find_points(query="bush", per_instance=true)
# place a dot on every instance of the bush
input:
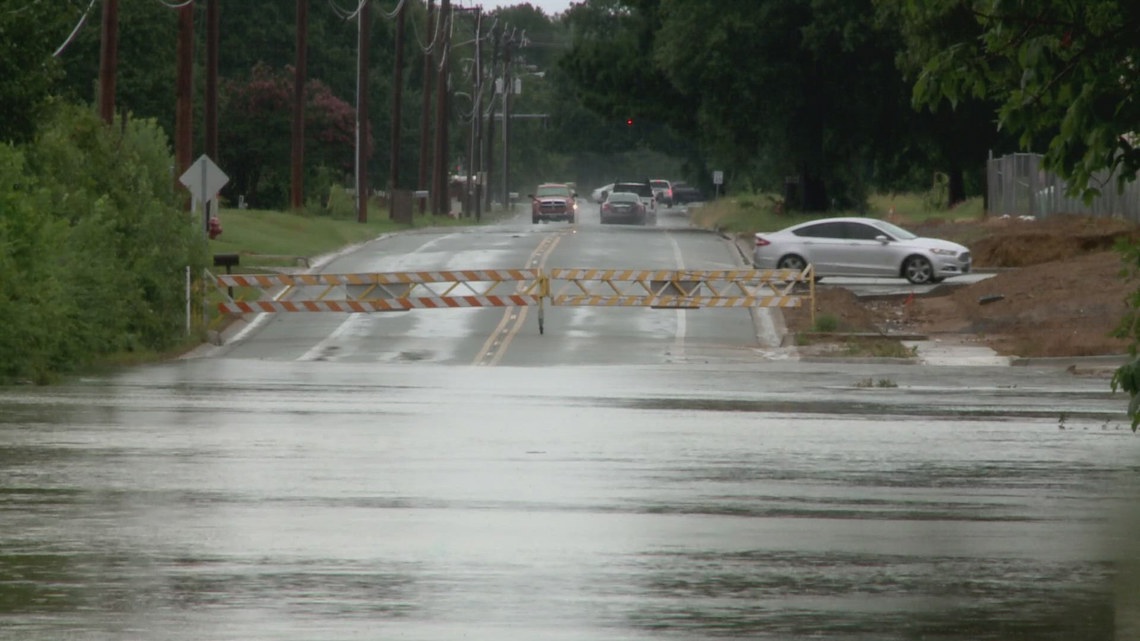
(93, 248)
(826, 323)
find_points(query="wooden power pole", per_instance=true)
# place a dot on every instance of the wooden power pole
(489, 137)
(364, 16)
(441, 196)
(212, 78)
(108, 60)
(397, 100)
(297, 173)
(183, 111)
(425, 113)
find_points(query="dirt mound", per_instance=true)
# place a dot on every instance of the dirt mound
(1058, 308)
(1060, 290)
(1018, 242)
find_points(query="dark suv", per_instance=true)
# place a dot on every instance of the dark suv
(644, 191)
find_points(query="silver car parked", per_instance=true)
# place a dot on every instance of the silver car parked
(860, 247)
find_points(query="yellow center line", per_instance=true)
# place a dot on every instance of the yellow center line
(493, 350)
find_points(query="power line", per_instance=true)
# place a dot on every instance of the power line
(345, 14)
(395, 12)
(429, 48)
(74, 32)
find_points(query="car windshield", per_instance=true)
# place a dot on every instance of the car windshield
(641, 189)
(553, 190)
(623, 197)
(894, 230)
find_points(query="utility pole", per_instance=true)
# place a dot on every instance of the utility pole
(212, 26)
(297, 173)
(364, 18)
(441, 198)
(108, 60)
(183, 111)
(489, 139)
(508, 89)
(397, 100)
(425, 112)
(475, 153)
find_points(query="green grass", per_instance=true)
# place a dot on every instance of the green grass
(878, 348)
(826, 323)
(259, 232)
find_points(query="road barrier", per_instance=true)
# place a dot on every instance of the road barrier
(681, 289)
(383, 292)
(405, 291)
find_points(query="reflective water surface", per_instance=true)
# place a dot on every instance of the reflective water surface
(244, 500)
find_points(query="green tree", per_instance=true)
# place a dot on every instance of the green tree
(1061, 73)
(93, 248)
(768, 89)
(956, 137)
(255, 144)
(29, 35)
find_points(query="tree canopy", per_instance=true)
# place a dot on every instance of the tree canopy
(1063, 75)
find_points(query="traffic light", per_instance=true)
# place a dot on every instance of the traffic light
(629, 122)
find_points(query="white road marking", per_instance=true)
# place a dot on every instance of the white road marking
(678, 350)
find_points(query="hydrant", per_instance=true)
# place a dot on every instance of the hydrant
(214, 229)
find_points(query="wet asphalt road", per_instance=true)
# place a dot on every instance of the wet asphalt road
(246, 496)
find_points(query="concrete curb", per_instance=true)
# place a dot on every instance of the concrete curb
(778, 326)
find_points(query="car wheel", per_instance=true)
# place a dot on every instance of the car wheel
(792, 261)
(534, 220)
(919, 271)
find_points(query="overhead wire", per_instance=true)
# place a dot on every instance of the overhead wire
(395, 12)
(175, 5)
(345, 14)
(75, 31)
(22, 9)
(430, 47)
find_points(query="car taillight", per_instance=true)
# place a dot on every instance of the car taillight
(761, 241)
(605, 206)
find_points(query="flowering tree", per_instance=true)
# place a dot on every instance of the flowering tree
(255, 133)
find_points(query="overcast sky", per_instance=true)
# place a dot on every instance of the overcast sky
(550, 7)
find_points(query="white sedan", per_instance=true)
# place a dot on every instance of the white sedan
(600, 194)
(860, 247)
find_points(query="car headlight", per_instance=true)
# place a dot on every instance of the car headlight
(944, 252)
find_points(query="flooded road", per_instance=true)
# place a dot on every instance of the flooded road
(236, 499)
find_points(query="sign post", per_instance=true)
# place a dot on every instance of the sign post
(204, 180)
(718, 180)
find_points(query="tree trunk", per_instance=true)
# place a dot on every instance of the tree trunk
(956, 191)
(813, 192)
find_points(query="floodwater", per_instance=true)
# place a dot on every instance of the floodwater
(238, 500)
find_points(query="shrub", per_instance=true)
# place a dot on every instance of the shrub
(826, 323)
(93, 248)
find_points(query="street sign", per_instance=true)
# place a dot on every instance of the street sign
(718, 177)
(204, 180)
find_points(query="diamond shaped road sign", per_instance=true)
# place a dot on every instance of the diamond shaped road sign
(204, 179)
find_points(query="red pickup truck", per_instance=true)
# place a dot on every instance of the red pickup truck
(554, 201)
